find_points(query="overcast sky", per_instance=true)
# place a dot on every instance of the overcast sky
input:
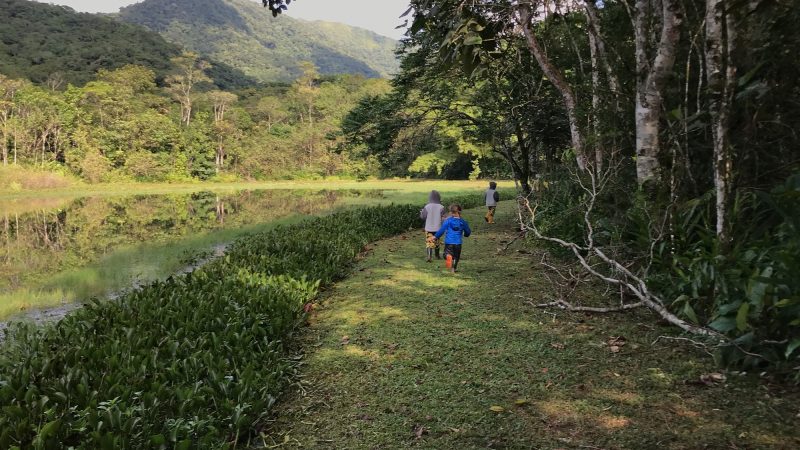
(380, 16)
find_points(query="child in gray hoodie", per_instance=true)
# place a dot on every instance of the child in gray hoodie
(492, 197)
(432, 214)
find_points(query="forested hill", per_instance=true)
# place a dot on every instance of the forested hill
(243, 34)
(39, 41)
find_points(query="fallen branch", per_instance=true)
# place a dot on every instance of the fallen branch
(562, 304)
(620, 274)
(696, 344)
(520, 235)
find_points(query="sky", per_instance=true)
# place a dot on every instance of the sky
(380, 16)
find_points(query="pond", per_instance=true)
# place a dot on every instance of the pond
(57, 251)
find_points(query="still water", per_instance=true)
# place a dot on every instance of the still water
(55, 251)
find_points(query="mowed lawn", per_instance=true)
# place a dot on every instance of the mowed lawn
(403, 354)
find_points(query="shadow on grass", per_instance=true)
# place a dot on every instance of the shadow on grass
(403, 354)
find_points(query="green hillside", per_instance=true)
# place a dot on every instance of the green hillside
(39, 40)
(241, 33)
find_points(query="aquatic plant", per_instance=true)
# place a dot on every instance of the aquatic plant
(196, 361)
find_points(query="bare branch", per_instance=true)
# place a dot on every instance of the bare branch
(563, 304)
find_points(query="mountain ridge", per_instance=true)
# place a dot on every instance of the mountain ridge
(38, 40)
(243, 35)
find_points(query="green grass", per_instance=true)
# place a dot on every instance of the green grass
(78, 189)
(402, 355)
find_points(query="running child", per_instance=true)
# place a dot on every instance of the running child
(433, 215)
(453, 229)
(492, 197)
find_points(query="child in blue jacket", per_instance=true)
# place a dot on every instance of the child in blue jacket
(453, 228)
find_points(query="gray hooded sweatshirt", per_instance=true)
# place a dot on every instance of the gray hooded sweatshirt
(433, 212)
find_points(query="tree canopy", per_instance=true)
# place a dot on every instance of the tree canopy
(649, 140)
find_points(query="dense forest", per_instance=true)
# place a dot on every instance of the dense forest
(50, 44)
(124, 126)
(237, 32)
(653, 145)
(109, 101)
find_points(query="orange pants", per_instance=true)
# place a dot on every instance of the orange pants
(490, 214)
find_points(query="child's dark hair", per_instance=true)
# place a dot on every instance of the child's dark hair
(455, 208)
(492, 185)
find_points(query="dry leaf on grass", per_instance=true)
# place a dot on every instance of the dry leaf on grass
(710, 379)
(345, 340)
(615, 343)
(497, 408)
(557, 345)
(619, 341)
(419, 431)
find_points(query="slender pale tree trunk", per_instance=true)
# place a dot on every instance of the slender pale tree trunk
(595, 31)
(651, 80)
(721, 82)
(600, 58)
(15, 145)
(559, 82)
(4, 137)
(187, 115)
(597, 141)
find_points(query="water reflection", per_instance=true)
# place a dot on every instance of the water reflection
(44, 237)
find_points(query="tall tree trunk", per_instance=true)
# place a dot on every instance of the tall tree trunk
(15, 145)
(559, 82)
(188, 110)
(651, 81)
(4, 137)
(525, 159)
(519, 173)
(595, 30)
(597, 141)
(721, 78)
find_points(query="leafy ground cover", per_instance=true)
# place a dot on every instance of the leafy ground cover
(404, 355)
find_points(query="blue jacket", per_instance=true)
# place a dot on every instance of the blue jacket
(452, 229)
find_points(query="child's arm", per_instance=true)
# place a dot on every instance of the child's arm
(444, 226)
(467, 231)
(496, 196)
(423, 213)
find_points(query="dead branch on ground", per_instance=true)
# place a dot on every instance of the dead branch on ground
(595, 261)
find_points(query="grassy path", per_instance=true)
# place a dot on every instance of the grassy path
(402, 355)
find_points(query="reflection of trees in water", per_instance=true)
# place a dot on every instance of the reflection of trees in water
(44, 241)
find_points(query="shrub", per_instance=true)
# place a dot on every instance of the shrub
(17, 178)
(750, 290)
(195, 361)
(146, 166)
(94, 166)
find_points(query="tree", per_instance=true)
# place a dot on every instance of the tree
(8, 92)
(190, 72)
(276, 6)
(652, 74)
(221, 102)
(721, 78)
